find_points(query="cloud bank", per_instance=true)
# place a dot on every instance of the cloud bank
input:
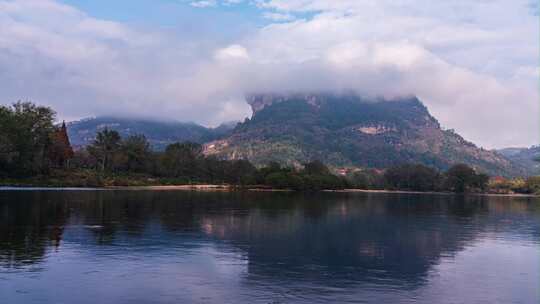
(474, 63)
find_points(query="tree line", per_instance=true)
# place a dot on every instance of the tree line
(416, 177)
(31, 145)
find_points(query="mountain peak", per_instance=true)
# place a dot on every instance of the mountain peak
(261, 100)
(346, 130)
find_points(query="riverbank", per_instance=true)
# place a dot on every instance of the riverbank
(235, 188)
(204, 187)
(429, 192)
(229, 188)
(223, 188)
(92, 179)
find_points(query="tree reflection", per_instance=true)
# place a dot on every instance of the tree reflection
(27, 228)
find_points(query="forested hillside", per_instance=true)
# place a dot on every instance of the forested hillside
(347, 130)
(159, 133)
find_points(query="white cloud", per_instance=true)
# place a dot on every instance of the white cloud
(56, 55)
(232, 52)
(474, 63)
(278, 16)
(204, 3)
(214, 3)
(231, 2)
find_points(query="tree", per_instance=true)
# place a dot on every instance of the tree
(240, 172)
(103, 148)
(462, 178)
(533, 184)
(284, 180)
(136, 153)
(82, 159)
(213, 169)
(182, 160)
(367, 179)
(262, 173)
(412, 177)
(60, 150)
(25, 130)
(481, 181)
(6, 146)
(273, 166)
(316, 168)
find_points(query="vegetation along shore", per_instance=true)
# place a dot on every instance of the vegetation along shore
(36, 152)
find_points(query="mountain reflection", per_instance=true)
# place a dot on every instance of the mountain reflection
(337, 238)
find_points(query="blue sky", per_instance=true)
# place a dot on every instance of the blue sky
(220, 22)
(166, 13)
(474, 63)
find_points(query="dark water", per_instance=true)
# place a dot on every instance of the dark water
(177, 247)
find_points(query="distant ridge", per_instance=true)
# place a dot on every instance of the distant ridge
(159, 134)
(524, 157)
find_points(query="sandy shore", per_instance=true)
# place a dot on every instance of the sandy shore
(202, 188)
(176, 188)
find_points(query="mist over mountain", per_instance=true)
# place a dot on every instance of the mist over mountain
(350, 131)
(159, 133)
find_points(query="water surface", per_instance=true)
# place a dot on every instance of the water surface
(182, 247)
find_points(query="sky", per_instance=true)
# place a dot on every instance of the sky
(474, 63)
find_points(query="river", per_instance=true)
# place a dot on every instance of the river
(241, 247)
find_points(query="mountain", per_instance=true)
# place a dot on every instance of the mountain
(350, 131)
(524, 157)
(159, 134)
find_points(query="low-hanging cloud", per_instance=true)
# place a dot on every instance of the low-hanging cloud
(57, 55)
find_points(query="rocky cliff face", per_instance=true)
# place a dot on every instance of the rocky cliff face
(347, 130)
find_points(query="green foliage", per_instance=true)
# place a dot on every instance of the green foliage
(104, 148)
(283, 180)
(24, 138)
(181, 160)
(533, 184)
(240, 172)
(316, 168)
(367, 179)
(412, 177)
(462, 178)
(315, 176)
(324, 182)
(136, 153)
